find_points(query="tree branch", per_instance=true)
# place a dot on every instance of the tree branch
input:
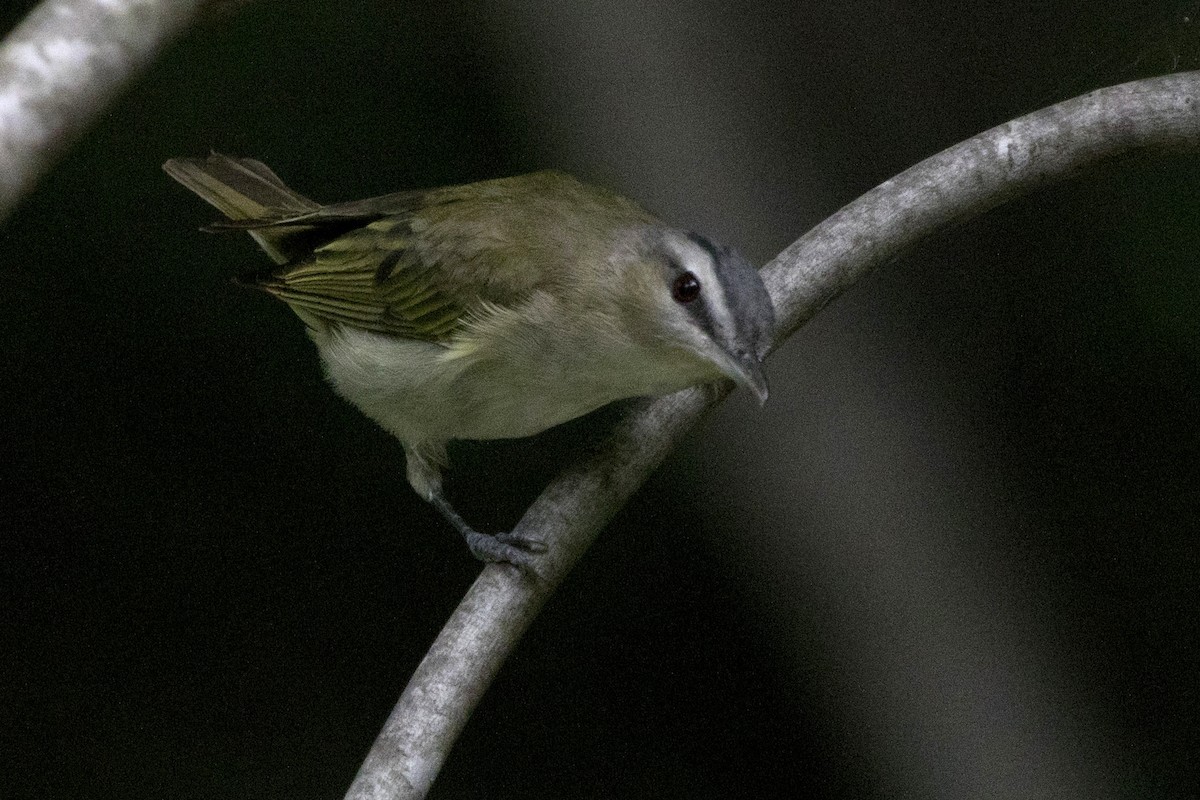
(61, 66)
(950, 187)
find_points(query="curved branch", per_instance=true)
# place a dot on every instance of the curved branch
(950, 187)
(61, 66)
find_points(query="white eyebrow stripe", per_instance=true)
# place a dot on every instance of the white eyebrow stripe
(712, 289)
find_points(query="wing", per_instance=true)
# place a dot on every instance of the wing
(413, 264)
(379, 277)
(423, 264)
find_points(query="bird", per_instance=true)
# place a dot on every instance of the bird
(495, 309)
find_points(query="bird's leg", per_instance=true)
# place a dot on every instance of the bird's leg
(425, 476)
(512, 547)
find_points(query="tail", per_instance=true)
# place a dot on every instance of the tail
(247, 190)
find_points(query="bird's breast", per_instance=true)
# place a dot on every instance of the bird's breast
(420, 391)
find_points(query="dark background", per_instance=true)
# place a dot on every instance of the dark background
(956, 555)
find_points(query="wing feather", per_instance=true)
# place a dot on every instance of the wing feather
(419, 264)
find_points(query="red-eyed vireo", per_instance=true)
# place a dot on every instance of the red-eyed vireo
(495, 309)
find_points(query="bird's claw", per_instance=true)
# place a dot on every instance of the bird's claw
(523, 541)
(512, 547)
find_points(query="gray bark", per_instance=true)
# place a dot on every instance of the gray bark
(63, 65)
(946, 189)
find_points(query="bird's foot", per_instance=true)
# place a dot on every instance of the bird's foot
(514, 547)
(518, 549)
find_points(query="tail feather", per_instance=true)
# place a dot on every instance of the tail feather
(245, 189)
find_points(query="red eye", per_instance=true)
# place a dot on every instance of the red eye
(686, 288)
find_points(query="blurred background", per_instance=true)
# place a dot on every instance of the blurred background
(954, 556)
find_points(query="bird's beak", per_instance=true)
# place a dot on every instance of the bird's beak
(746, 370)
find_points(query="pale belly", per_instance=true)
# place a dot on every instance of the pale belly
(418, 394)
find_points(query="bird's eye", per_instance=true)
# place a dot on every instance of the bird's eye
(686, 288)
